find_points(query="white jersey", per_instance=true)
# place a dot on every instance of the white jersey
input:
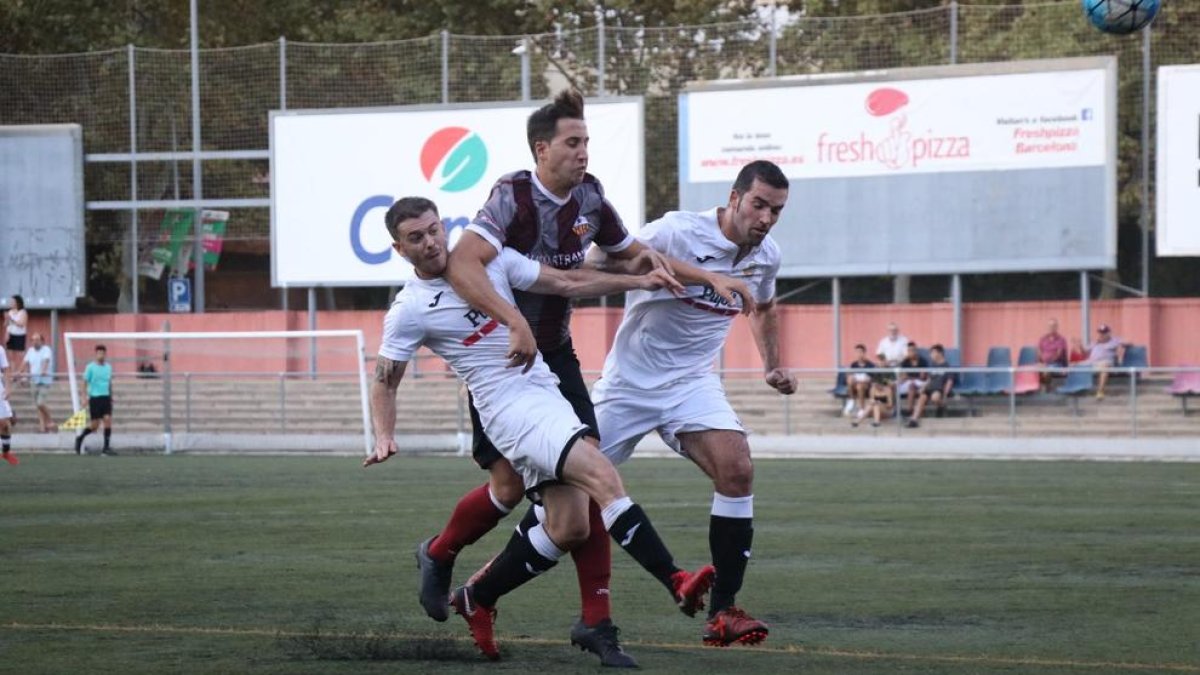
(428, 312)
(665, 338)
(3, 367)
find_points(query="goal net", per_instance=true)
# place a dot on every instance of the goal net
(277, 391)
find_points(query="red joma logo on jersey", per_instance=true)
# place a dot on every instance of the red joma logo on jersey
(479, 334)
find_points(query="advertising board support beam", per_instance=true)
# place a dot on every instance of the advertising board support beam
(445, 66)
(836, 299)
(133, 180)
(312, 325)
(1145, 214)
(956, 300)
(197, 173)
(283, 292)
(1085, 310)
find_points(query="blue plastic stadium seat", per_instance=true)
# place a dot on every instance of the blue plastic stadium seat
(999, 382)
(1028, 356)
(1135, 357)
(954, 360)
(1080, 382)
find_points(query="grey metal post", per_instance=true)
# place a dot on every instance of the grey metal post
(1012, 401)
(54, 337)
(187, 402)
(525, 94)
(771, 45)
(197, 174)
(1145, 214)
(600, 57)
(956, 300)
(283, 292)
(1085, 311)
(836, 310)
(166, 378)
(953, 31)
(133, 178)
(445, 66)
(283, 402)
(1133, 398)
(312, 325)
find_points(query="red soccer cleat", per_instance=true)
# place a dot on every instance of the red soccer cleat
(690, 588)
(481, 620)
(11, 458)
(732, 625)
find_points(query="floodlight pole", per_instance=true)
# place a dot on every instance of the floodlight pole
(836, 309)
(1085, 310)
(197, 175)
(133, 178)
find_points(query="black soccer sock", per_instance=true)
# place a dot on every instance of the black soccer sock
(729, 538)
(528, 522)
(5, 442)
(519, 562)
(631, 528)
(107, 436)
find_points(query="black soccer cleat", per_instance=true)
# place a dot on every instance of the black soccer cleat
(602, 641)
(435, 583)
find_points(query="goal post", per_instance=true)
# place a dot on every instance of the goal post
(237, 355)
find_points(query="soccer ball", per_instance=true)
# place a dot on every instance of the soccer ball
(1121, 17)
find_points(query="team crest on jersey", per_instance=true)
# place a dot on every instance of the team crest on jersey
(581, 226)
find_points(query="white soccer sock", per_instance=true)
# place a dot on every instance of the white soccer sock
(614, 511)
(543, 544)
(732, 507)
(496, 502)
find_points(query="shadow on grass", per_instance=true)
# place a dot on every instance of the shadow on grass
(382, 643)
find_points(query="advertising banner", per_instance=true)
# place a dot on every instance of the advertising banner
(334, 173)
(1178, 180)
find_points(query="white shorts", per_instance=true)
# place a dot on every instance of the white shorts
(533, 431)
(625, 414)
(5, 410)
(905, 385)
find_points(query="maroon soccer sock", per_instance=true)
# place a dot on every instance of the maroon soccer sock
(593, 566)
(474, 516)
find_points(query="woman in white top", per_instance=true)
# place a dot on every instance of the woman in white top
(16, 320)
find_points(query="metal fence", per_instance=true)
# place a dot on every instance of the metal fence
(135, 104)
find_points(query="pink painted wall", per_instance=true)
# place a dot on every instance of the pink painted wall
(1168, 327)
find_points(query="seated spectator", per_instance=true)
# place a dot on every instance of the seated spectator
(858, 385)
(1106, 352)
(913, 381)
(1052, 353)
(882, 403)
(937, 389)
(892, 347)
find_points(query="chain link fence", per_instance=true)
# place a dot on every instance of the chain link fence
(139, 100)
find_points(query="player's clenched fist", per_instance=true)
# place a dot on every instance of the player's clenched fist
(782, 381)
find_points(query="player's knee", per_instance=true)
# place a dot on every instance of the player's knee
(735, 477)
(508, 490)
(568, 533)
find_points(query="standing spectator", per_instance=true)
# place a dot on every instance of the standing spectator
(97, 386)
(892, 347)
(912, 382)
(858, 385)
(16, 320)
(1052, 353)
(39, 361)
(937, 389)
(1106, 352)
(6, 413)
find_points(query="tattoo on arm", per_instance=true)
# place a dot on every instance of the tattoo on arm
(388, 371)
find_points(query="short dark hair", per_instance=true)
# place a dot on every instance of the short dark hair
(102, 348)
(18, 301)
(861, 346)
(911, 343)
(543, 123)
(404, 209)
(938, 348)
(767, 172)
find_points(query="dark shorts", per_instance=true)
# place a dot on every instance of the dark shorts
(16, 343)
(563, 363)
(99, 406)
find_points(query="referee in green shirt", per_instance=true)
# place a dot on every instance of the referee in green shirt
(97, 386)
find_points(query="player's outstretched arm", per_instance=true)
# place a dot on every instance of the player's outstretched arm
(466, 274)
(589, 283)
(388, 374)
(764, 325)
(635, 262)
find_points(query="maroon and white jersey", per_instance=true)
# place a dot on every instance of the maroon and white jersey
(523, 215)
(664, 338)
(428, 312)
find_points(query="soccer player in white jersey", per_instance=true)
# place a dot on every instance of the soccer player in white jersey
(659, 373)
(530, 423)
(6, 413)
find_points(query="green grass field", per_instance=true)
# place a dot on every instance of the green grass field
(304, 565)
